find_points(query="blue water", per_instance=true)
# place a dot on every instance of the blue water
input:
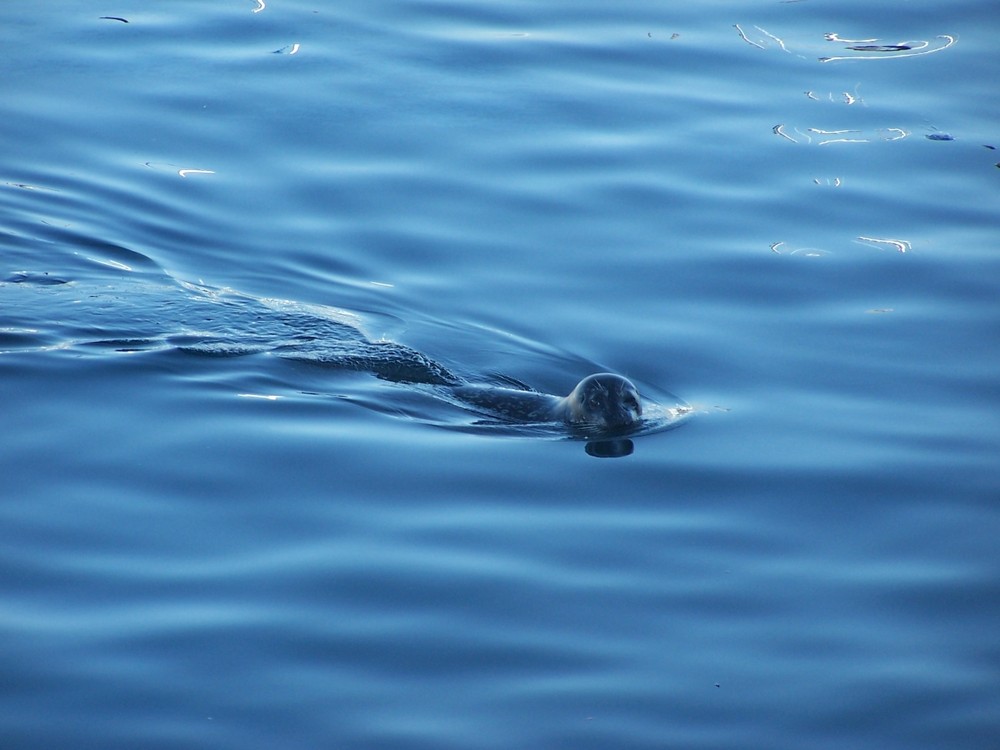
(216, 546)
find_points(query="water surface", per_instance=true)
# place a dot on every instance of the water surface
(232, 549)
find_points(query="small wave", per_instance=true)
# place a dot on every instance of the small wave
(35, 278)
(863, 49)
(876, 49)
(827, 137)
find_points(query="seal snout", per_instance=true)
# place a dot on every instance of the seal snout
(624, 416)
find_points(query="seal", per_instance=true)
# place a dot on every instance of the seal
(603, 401)
(139, 313)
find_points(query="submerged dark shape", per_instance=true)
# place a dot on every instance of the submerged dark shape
(880, 47)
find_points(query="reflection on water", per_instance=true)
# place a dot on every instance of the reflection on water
(868, 49)
(610, 448)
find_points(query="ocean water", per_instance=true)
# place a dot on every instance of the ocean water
(780, 219)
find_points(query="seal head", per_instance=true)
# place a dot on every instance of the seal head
(605, 401)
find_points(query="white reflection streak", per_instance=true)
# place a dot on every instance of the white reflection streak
(838, 140)
(778, 130)
(260, 6)
(112, 263)
(186, 172)
(744, 37)
(772, 36)
(805, 252)
(901, 245)
(902, 134)
(914, 52)
(835, 38)
(258, 395)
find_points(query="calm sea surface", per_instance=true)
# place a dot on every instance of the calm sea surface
(785, 215)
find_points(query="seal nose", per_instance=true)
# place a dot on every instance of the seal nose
(623, 416)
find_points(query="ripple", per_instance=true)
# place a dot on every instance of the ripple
(825, 137)
(867, 49)
(876, 49)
